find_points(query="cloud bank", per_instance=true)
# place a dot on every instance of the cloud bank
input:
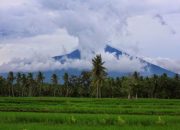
(41, 63)
(173, 65)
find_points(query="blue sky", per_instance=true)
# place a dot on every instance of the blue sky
(35, 30)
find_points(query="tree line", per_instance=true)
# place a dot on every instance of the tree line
(94, 83)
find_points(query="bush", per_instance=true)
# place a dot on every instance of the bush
(160, 121)
(73, 119)
(120, 121)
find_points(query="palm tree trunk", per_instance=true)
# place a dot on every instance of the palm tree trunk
(129, 95)
(97, 94)
(22, 91)
(30, 92)
(54, 91)
(12, 90)
(67, 91)
(9, 90)
(136, 96)
(100, 92)
(40, 90)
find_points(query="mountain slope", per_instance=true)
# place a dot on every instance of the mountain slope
(149, 69)
(73, 55)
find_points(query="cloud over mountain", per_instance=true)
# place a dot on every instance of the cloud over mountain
(38, 26)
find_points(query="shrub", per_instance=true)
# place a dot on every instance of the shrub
(120, 121)
(160, 121)
(73, 119)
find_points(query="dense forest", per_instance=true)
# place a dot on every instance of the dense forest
(94, 83)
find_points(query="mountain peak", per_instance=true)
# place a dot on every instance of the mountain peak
(110, 49)
(76, 54)
(149, 69)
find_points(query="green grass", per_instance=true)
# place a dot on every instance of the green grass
(35, 126)
(91, 114)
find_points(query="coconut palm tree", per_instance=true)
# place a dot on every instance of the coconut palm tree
(40, 79)
(98, 74)
(66, 83)
(24, 84)
(30, 82)
(54, 80)
(136, 77)
(18, 83)
(10, 80)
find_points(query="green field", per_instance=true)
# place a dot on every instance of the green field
(45, 113)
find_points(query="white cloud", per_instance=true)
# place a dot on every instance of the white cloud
(123, 64)
(43, 63)
(171, 64)
(130, 25)
(57, 43)
(10, 3)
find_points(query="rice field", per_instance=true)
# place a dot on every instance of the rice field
(48, 113)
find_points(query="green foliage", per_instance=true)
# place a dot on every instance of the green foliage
(90, 84)
(98, 74)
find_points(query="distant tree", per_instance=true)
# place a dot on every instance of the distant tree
(162, 86)
(136, 85)
(93, 83)
(108, 87)
(18, 83)
(75, 88)
(173, 87)
(18, 78)
(10, 80)
(155, 85)
(24, 84)
(118, 88)
(136, 75)
(30, 83)
(40, 79)
(98, 74)
(176, 85)
(176, 77)
(85, 78)
(66, 83)
(127, 85)
(3, 88)
(54, 80)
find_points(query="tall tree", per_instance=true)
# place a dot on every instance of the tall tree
(18, 83)
(85, 83)
(10, 80)
(30, 82)
(98, 74)
(24, 83)
(155, 85)
(54, 80)
(136, 88)
(176, 93)
(66, 83)
(40, 79)
(128, 85)
(3, 88)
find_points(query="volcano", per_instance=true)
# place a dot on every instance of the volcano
(148, 70)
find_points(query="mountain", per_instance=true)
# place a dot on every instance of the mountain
(73, 55)
(149, 68)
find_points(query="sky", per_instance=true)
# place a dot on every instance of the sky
(33, 31)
